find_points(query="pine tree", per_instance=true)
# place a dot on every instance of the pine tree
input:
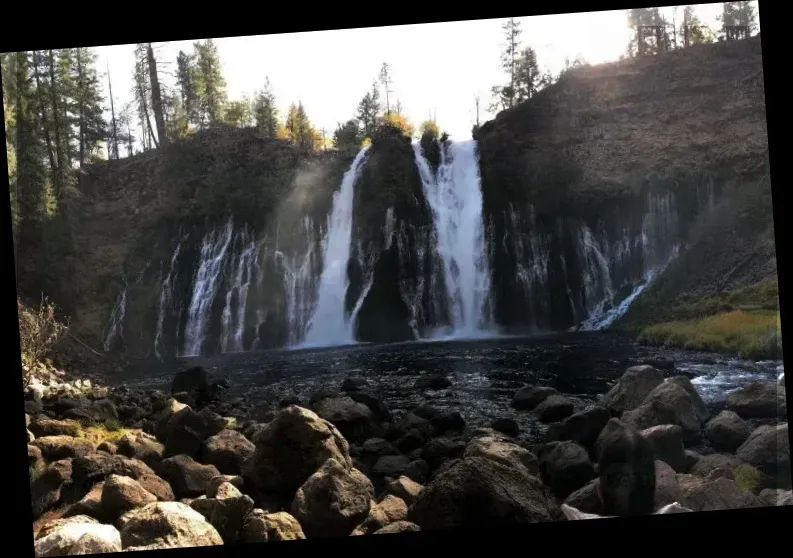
(88, 99)
(347, 135)
(211, 85)
(504, 96)
(238, 113)
(112, 140)
(385, 80)
(31, 176)
(141, 90)
(265, 112)
(638, 17)
(368, 111)
(527, 78)
(692, 32)
(187, 81)
(156, 95)
(739, 14)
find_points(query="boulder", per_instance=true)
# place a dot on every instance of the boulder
(667, 489)
(582, 428)
(354, 420)
(506, 453)
(227, 450)
(261, 526)
(586, 498)
(565, 467)
(388, 510)
(397, 527)
(669, 403)
(332, 501)
(78, 537)
(632, 388)
(506, 426)
(727, 431)
(54, 448)
(42, 427)
(527, 398)
(226, 511)
(718, 494)
(122, 494)
(166, 525)
(768, 449)
(45, 490)
(667, 442)
(187, 477)
(405, 488)
(756, 400)
(554, 408)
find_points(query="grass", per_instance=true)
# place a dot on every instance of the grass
(747, 477)
(39, 331)
(754, 334)
(110, 431)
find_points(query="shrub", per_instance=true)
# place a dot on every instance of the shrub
(39, 331)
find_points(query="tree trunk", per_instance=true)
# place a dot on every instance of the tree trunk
(81, 107)
(56, 123)
(156, 97)
(113, 143)
(43, 109)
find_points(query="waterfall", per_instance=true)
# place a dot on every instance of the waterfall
(299, 282)
(205, 287)
(329, 324)
(233, 317)
(455, 198)
(166, 300)
(115, 329)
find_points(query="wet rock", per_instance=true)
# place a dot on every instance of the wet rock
(78, 537)
(586, 498)
(447, 422)
(667, 489)
(54, 448)
(700, 407)
(727, 431)
(667, 442)
(187, 477)
(527, 398)
(632, 388)
(332, 501)
(582, 428)
(353, 384)
(565, 467)
(261, 526)
(380, 412)
(292, 448)
(439, 450)
(398, 527)
(719, 494)
(432, 381)
(405, 488)
(669, 403)
(481, 493)
(506, 453)
(141, 446)
(755, 400)
(42, 427)
(768, 449)
(506, 426)
(378, 446)
(354, 420)
(190, 380)
(166, 525)
(391, 465)
(389, 510)
(418, 470)
(227, 450)
(122, 494)
(554, 408)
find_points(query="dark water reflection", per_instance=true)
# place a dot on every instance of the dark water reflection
(484, 373)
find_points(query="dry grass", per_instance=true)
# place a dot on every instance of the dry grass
(110, 431)
(748, 334)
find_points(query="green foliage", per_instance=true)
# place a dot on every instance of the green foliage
(398, 122)
(697, 33)
(187, 81)
(524, 78)
(347, 136)
(430, 127)
(747, 477)
(88, 103)
(265, 112)
(646, 16)
(210, 85)
(739, 14)
(238, 113)
(368, 111)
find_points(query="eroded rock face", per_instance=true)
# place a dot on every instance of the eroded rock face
(166, 525)
(332, 501)
(481, 492)
(293, 447)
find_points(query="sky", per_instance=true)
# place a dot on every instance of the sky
(436, 68)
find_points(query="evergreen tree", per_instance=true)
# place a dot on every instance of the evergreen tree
(692, 32)
(187, 81)
(739, 14)
(88, 100)
(430, 127)
(31, 176)
(125, 135)
(385, 80)
(238, 113)
(368, 111)
(638, 17)
(211, 85)
(528, 78)
(141, 90)
(265, 112)
(504, 96)
(347, 135)
(399, 122)
(156, 95)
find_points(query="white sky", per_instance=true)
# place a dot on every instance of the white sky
(437, 67)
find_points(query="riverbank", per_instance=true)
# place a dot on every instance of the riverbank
(210, 473)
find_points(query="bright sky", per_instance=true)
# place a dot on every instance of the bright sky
(438, 67)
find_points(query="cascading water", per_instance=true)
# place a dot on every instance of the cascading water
(456, 202)
(329, 324)
(115, 331)
(233, 317)
(205, 287)
(299, 282)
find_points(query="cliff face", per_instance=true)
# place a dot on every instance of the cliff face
(589, 190)
(579, 178)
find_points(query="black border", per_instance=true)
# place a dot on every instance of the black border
(713, 530)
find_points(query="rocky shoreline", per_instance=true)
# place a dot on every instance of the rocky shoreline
(188, 469)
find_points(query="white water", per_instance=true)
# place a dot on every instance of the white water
(329, 324)
(205, 285)
(117, 319)
(166, 299)
(244, 267)
(299, 283)
(455, 198)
